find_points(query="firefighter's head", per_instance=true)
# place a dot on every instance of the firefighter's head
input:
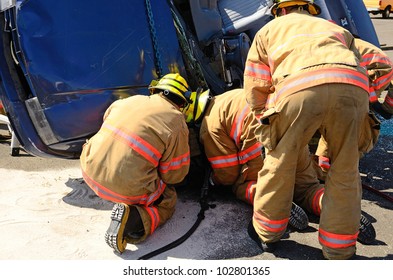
(174, 87)
(195, 110)
(307, 5)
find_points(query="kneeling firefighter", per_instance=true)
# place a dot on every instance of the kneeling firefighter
(139, 153)
(227, 134)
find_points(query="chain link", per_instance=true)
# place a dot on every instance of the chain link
(153, 35)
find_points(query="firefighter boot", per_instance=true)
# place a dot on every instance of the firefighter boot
(134, 230)
(298, 218)
(266, 247)
(366, 231)
(114, 235)
(126, 227)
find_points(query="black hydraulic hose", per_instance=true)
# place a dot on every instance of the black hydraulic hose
(201, 216)
(388, 197)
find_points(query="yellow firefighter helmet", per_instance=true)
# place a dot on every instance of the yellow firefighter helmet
(312, 8)
(195, 110)
(172, 83)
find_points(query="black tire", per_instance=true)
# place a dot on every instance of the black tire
(386, 12)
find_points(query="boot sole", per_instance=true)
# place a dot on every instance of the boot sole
(298, 218)
(114, 235)
(367, 233)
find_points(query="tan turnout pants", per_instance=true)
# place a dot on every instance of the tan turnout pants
(338, 111)
(156, 214)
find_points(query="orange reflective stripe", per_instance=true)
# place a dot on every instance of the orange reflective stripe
(372, 96)
(236, 159)
(341, 38)
(237, 125)
(136, 143)
(315, 202)
(334, 240)
(257, 70)
(107, 194)
(224, 161)
(175, 163)
(370, 58)
(324, 162)
(270, 225)
(250, 192)
(250, 153)
(160, 189)
(382, 81)
(154, 216)
(317, 77)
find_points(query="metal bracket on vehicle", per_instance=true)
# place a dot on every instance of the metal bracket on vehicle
(40, 121)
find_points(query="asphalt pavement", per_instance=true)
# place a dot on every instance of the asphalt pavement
(222, 234)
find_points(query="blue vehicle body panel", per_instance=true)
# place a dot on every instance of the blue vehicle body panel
(352, 15)
(80, 56)
(73, 58)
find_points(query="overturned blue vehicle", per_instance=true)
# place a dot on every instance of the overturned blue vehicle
(62, 63)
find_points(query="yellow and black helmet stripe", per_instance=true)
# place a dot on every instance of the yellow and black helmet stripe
(173, 83)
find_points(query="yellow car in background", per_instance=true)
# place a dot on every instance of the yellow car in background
(384, 7)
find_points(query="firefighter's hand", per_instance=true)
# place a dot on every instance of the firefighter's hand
(377, 108)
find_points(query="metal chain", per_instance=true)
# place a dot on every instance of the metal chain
(192, 62)
(153, 35)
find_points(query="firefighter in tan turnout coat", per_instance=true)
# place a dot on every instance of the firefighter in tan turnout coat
(227, 134)
(380, 72)
(140, 151)
(303, 74)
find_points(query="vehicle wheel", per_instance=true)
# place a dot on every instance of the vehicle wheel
(386, 12)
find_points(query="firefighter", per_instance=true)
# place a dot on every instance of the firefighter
(139, 153)
(380, 72)
(234, 153)
(303, 74)
(227, 134)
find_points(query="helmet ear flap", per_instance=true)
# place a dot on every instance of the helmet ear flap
(200, 100)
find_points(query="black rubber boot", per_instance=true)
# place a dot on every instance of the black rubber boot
(114, 235)
(367, 233)
(266, 247)
(134, 228)
(298, 218)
